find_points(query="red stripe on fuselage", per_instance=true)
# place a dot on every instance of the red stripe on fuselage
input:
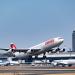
(49, 42)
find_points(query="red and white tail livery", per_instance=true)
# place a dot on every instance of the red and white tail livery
(12, 46)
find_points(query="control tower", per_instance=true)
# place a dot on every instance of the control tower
(73, 40)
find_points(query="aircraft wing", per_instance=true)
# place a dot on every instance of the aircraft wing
(4, 49)
(16, 50)
(20, 50)
(25, 50)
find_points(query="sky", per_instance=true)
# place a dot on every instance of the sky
(30, 22)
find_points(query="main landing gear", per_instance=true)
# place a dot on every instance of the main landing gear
(44, 55)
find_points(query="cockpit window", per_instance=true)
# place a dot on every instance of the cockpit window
(59, 38)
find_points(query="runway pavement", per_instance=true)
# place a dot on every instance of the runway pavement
(35, 70)
(62, 74)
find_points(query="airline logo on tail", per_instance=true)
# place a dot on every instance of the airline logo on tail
(13, 47)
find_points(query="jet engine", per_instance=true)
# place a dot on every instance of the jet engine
(58, 50)
(62, 50)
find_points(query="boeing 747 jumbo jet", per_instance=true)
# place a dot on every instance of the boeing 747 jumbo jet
(42, 48)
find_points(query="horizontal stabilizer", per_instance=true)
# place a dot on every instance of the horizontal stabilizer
(4, 49)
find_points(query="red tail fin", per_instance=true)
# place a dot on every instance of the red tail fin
(12, 46)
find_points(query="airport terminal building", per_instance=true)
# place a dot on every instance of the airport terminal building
(73, 41)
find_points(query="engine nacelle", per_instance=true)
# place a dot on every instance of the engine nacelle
(54, 51)
(58, 50)
(17, 54)
(29, 51)
(62, 50)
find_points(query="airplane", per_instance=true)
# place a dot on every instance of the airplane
(42, 48)
(67, 62)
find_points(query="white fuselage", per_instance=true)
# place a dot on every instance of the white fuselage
(42, 47)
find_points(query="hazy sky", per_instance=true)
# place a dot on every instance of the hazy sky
(29, 22)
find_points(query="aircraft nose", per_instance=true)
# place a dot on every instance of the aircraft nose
(61, 40)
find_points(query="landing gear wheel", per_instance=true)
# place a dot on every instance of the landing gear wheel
(36, 57)
(44, 56)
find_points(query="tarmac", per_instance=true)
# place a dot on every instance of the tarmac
(36, 70)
